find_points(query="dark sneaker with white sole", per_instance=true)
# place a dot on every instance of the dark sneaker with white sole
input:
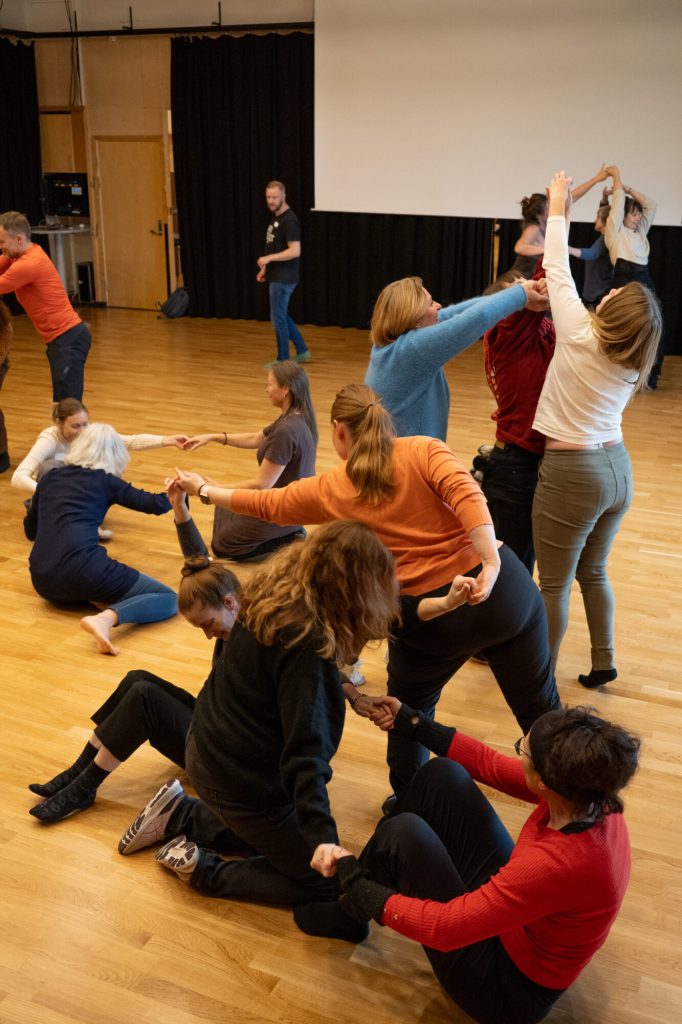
(150, 825)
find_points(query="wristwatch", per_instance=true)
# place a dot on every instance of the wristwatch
(203, 497)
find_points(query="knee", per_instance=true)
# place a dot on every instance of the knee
(441, 772)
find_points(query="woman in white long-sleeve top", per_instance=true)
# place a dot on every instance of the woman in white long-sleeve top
(585, 484)
(627, 238)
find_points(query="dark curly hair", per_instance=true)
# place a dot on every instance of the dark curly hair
(533, 208)
(584, 758)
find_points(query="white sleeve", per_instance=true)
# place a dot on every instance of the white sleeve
(141, 442)
(24, 475)
(571, 319)
(648, 214)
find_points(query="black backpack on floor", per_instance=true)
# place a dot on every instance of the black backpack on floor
(175, 305)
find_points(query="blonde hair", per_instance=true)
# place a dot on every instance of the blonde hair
(15, 223)
(99, 447)
(399, 306)
(628, 328)
(370, 462)
(207, 582)
(336, 591)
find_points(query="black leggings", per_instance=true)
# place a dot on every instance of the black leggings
(510, 628)
(447, 840)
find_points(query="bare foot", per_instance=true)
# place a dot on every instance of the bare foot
(100, 626)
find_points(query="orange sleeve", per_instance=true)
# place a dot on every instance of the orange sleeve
(456, 486)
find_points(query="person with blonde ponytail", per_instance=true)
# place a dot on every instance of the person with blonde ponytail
(426, 508)
(269, 720)
(585, 482)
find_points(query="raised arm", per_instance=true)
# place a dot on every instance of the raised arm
(580, 190)
(437, 344)
(570, 316)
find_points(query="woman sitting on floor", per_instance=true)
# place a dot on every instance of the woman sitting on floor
(68, 565)
(506, 926)
(69, 418)
(269, 720)
(143, 706)
(285, 451)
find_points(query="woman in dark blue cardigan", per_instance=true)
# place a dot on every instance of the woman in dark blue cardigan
(67, 563)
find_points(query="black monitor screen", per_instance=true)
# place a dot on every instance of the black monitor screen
(66, 195)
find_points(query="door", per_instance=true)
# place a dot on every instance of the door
(133, 212)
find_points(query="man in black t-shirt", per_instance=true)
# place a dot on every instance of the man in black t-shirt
(279, 268)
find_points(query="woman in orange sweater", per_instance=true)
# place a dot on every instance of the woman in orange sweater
(424, 506)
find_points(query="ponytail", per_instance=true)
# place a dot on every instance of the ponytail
(205, 581)
(370, 462)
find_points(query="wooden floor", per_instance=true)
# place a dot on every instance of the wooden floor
(90, 937)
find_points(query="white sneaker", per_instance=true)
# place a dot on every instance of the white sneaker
(180, 855)
(149, 826)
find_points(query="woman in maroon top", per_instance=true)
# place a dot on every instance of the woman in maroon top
(507, 927)
(518, 351)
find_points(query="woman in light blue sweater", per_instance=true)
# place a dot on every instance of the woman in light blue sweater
(413, 338)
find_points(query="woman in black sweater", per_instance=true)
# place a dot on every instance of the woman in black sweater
(68, 564)
(269, 721)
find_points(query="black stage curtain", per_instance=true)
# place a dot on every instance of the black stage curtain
(242, 115)
(665, 264)
(20, 131)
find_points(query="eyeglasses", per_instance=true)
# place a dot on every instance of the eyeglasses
(519, 749)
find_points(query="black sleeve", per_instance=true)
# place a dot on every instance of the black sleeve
(122, 493)
(311, 707)
(31, 518)
(414, 725)
(362, 899)
(292, 229)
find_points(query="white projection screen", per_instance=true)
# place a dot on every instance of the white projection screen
(461, 107)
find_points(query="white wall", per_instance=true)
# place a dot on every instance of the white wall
(454, 107)
(50, 15)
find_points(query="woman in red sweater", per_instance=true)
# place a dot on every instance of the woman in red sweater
(507, 927)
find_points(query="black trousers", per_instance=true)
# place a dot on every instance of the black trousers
(446, 840)
(510, 628)
(144, 708)
(279, 874)
(66, 356)
(509, 482)
(624, 273)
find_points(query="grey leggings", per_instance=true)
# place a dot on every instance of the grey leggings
(579, 503)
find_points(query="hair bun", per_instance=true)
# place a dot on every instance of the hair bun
(195, 564)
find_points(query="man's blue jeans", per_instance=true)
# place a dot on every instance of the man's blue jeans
(285, 328)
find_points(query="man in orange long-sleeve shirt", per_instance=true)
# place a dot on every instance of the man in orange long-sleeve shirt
(25, 268)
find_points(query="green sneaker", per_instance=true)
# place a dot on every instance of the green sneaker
(303, 357)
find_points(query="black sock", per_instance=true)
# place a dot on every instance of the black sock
(46, 789)
(77, 796)
(329, 921)
(597, 677)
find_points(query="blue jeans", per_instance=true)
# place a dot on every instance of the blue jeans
(285, 328)
(67, 355)
(146, 601)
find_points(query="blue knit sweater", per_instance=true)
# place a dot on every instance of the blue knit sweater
(408, 373)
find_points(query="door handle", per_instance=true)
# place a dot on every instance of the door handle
(159, 230)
